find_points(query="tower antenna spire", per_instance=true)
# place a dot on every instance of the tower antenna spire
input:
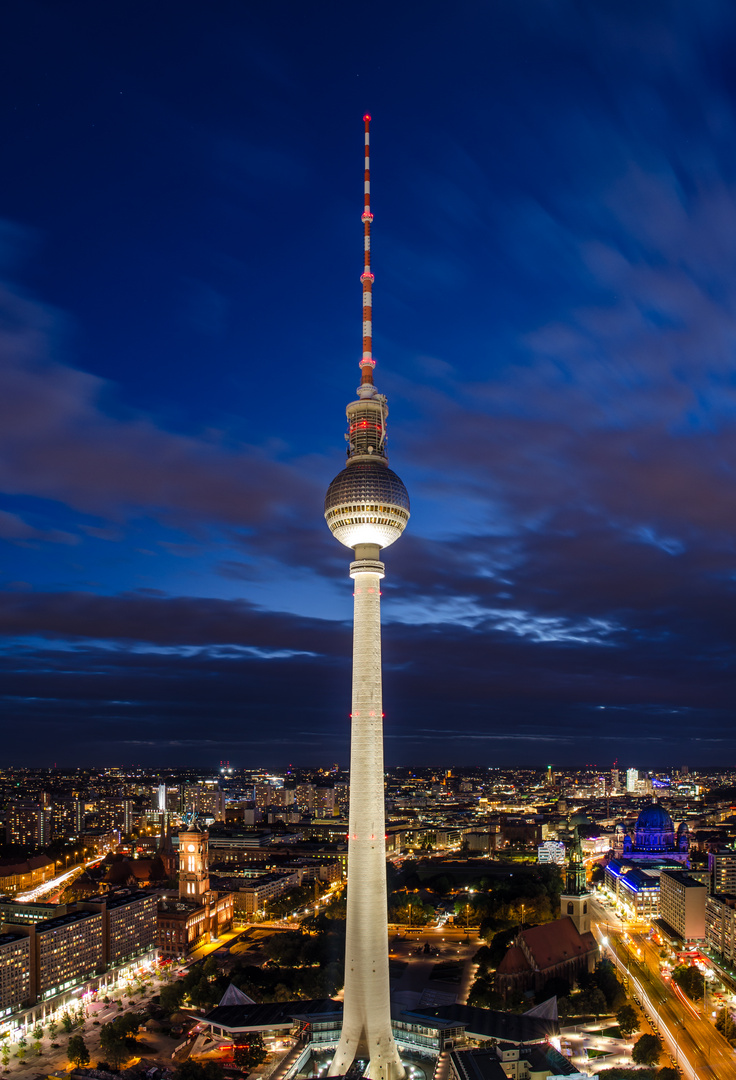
(367, 363)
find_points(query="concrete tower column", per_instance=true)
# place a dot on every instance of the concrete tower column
(366, 509)
(366, 1026)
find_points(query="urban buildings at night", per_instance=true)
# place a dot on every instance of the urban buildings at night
(265, 850)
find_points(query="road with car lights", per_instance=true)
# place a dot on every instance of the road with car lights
(696, 1048)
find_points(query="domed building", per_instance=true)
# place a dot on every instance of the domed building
(654, 837)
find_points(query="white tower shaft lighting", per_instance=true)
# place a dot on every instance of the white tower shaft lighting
(367, 509)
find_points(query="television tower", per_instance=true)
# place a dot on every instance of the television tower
(366, 509)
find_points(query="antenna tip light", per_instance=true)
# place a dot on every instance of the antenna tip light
(367, 116)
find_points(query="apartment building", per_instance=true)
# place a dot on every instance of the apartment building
(77, 943)
(682, 904)
(720, 926)
(722, 871)
(15, 971)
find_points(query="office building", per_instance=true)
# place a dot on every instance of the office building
(682, 904)
(551, 851)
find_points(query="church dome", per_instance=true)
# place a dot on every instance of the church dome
(655, 817)
(655, 830)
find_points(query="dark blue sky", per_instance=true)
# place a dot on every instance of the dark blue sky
(554, 189)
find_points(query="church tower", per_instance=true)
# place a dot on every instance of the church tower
(574, 900)
(194, 876)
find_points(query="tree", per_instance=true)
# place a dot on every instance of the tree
(195, 1070)
(204, 994)
(5, 1054)
(725, 1024)
(170, 998)
(498, 946)
(112, 1044)
(66, 1022)
(210, 969)
(37, 1034)
(647, 1049)
(484, 994)
(668, 1073)
(127, 1025)
(627, 1020)
(689, 979)
(564, 1007)
(607, 981)
(76, 1050)
(53, 1027)
(591, 1000)
(251, 1054)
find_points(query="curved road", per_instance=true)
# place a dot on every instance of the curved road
(699, 1050)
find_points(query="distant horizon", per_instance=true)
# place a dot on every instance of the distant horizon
(439, 768)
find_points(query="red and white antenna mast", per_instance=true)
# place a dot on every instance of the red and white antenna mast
(367, 362)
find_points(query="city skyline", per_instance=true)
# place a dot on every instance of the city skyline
(556, 333)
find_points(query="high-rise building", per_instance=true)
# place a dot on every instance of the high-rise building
(366, 509)
(29, 823)
(632, 779)
(207, 799)
(722, 871)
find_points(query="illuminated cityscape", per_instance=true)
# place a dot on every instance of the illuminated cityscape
(496, 839)
(642, 910)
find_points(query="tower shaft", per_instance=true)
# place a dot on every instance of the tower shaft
(366, 1026)
(366, 509)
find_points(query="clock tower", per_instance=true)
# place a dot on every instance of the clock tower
(194, 877)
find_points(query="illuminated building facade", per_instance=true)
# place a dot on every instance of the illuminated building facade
(654, 839)
(682, 904)
(366, 509)
(44, 955)
(720, 927)
(200, 914)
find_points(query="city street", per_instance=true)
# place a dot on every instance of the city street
(155, 1045)
(693, 1043)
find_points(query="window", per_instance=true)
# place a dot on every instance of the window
(570, 907)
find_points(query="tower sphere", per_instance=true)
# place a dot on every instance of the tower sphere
(366, 503)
